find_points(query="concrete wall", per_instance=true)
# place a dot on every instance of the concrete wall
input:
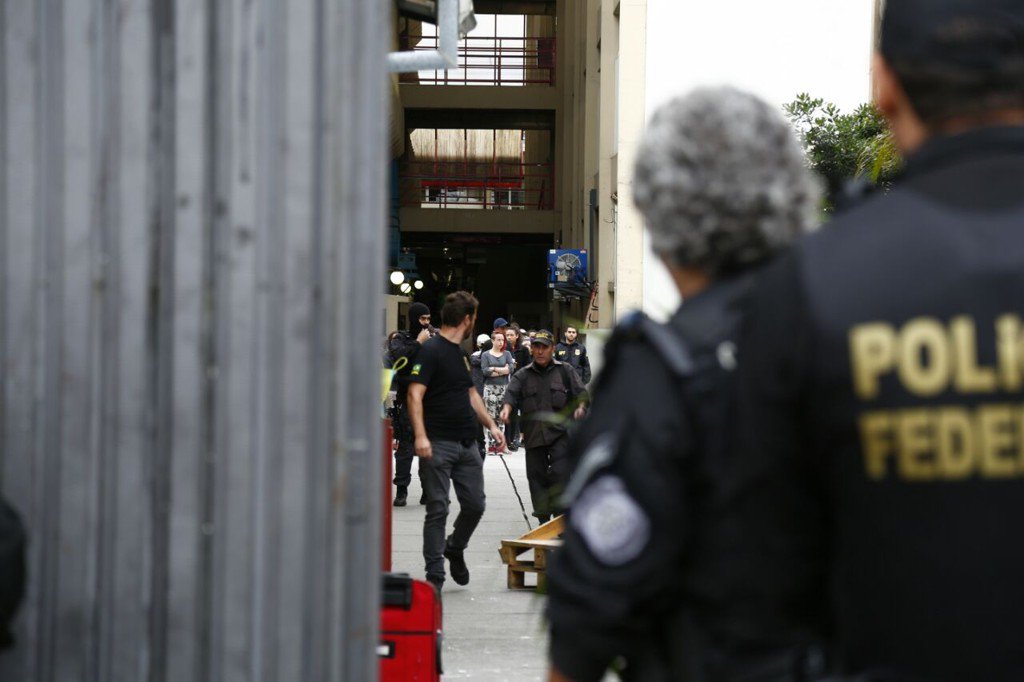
(632, 96)
(191, 246)
(615, 92)
(607, 110)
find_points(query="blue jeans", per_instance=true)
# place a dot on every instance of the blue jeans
(458, 463)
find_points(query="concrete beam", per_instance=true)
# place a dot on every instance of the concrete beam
(479, 97)
(484, 119)
(478, 220)
(531, 7)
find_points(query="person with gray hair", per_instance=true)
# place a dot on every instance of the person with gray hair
(722, 182)
(723, 185)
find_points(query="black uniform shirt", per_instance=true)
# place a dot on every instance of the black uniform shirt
(575, 355)
(444, 369)
(545, 394)
(882, 382)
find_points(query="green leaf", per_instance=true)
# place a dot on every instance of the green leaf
(842, 146)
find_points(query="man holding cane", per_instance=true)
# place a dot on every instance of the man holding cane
(542, 390)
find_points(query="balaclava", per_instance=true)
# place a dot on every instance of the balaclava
(415, 311)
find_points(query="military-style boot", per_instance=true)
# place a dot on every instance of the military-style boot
(401, 495)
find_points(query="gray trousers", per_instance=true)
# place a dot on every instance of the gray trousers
(461, 464)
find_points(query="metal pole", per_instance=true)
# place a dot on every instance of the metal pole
(359, 220)
(445, 56)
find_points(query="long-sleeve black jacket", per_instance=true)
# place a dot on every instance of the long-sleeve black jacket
(547, 397)
(575, 355)
(882, 388)
(650, 461)
(403, 345)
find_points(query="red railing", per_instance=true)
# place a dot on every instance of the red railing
(493, 61)
(481, 185)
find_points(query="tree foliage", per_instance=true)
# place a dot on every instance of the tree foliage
(842, 147)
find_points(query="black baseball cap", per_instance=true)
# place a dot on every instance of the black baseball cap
(544, 337)
(964, 34)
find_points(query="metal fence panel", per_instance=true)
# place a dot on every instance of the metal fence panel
(191, 241)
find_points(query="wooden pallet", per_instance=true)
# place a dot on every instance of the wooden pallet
(540, 541)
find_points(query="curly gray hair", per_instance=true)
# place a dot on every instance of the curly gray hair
(722, 181)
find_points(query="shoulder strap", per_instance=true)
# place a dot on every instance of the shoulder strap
(668, 344)
(671, 348)
(403, 347)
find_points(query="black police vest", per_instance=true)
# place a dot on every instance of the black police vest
(916, 312)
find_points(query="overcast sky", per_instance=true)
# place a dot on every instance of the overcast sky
(776, 48)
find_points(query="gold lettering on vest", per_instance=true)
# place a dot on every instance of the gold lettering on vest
(876, 437)
(1010, 351)
(916, 461)
(956, 443)
(996, 425)
(924, 359)
(872, 353)
(970, 377)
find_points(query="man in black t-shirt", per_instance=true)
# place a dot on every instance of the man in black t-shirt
(445, 409)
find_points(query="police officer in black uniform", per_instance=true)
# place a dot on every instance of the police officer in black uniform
(882, 382)
(574, 353)
(723, 185)
(550, 395)
(402, 350)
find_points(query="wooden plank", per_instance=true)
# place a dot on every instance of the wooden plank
(546, 531)
(518, 568)
(517, 577)
(544, 537)
(524, 545)
(516, 580)
(508, 554)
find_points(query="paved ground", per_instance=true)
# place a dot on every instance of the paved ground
(491, 633)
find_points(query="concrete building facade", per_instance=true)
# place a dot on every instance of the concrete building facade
(557, 83)
(610, 64)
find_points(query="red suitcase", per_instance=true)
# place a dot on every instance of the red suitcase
(410, 625)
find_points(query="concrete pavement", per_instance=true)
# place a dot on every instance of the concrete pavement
(491, 633)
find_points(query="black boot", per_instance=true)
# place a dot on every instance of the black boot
(401, 495)
(438, 583)
(456, 564)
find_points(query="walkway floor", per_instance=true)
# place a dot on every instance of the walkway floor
(490, 632)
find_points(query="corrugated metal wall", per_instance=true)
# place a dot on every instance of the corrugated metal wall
(191, 245)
